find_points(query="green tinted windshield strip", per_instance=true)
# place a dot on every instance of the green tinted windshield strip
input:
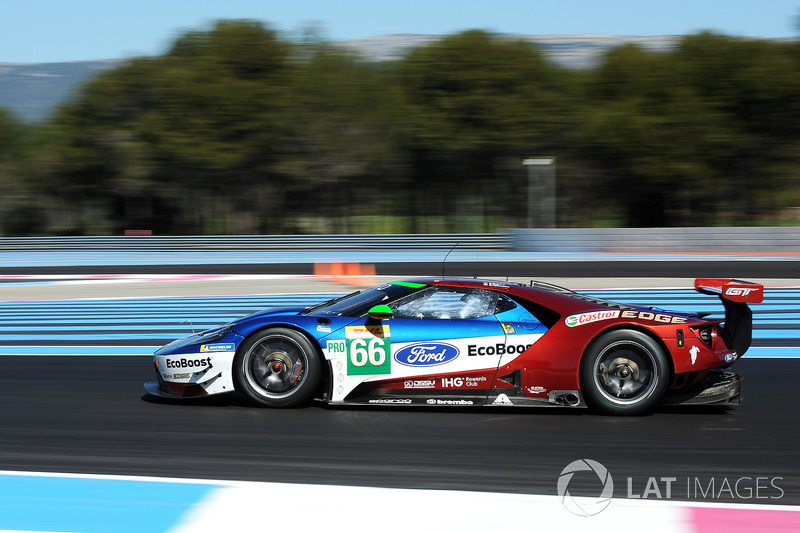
(409, 284)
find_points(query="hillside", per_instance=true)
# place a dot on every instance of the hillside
(32, 91)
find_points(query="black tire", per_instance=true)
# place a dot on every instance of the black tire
(624, 372)
(277, 367)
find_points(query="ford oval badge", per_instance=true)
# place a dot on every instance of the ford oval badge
(426, 354)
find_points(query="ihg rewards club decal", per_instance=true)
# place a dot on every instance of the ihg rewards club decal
(596, 487)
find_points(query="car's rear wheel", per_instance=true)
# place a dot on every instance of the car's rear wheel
(623, 372)
(277, 367)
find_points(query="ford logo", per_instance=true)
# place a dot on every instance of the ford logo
(426, 354)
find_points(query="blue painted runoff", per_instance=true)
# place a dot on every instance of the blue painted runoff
(92, 505)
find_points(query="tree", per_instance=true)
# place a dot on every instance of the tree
(342, 160)
(654, 137)
(755, 84)
(197, 127)
(19, 209)
(471, 100)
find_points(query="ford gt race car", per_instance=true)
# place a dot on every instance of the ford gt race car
(470, 342)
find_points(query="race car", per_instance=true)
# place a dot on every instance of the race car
(470, 342)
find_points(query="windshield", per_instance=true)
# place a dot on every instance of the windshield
(358, 303)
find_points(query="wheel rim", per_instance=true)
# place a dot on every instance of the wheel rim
(625, 372)
(275, 366)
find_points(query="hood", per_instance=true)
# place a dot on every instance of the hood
(279, 311)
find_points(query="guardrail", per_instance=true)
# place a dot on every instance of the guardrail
(654, 240)
(244, 243)
(651, 240)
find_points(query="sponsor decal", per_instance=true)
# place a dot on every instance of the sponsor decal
(227, 347)
(367, 348)
(596, 316)
(390, 400)
(693, 352)
(502, 399)
(495, 284)
(536, 390)
(324, 329)
(366, 331)
(419, 384)
(452, 382)
(658, 317)
(426, 354)
(180, 376)
(588, 318)
(459, 382)
(337, 347)
(497, 349)
(729, 358)
(439, 401)
(509, 328)
(183, 362)
(475, 382)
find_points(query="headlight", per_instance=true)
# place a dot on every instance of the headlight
(211, 335)
(204, 337)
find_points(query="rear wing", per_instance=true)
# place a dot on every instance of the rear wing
(735, 294)
(734, 290)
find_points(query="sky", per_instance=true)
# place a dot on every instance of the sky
(40, 31)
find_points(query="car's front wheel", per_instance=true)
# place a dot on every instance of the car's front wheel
(624, 372)
(277, 367)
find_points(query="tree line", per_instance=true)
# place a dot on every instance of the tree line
(237, 131)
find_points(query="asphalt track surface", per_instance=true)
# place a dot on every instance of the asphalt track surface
(90, 415)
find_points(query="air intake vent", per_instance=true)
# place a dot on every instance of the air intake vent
(706, 335)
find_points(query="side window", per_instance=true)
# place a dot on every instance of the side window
(503, 305)
(444, 303)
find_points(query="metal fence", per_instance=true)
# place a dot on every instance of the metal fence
(245, 243)
(654, 240)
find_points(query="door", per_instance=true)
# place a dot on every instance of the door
(442, 346)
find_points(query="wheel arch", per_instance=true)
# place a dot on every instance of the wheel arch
(638, 403)
(325, 381)
(632, 327)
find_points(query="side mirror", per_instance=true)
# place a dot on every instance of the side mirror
(380, 312)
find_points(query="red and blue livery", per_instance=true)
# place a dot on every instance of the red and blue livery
(471, 342)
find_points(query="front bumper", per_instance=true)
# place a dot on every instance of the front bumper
(153, 388)
(718, 388)
(194, 374)
(176, 391)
